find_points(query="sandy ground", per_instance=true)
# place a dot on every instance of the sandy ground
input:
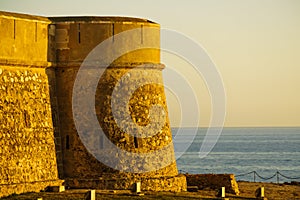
(273, 191)
(247, 189)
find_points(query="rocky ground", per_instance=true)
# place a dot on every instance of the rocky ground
(272, 192)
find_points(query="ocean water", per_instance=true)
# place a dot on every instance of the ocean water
(243, 150)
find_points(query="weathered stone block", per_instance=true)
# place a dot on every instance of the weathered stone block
(214, 181)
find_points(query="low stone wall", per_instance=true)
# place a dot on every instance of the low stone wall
(173, 183)
(6, 190)
(214, 181)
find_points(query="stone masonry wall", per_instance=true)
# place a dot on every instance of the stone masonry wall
(27, 139)
(84, 165)
(140, 103)
(164, 183)
(26, 133)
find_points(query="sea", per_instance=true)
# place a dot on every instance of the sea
(252, 154)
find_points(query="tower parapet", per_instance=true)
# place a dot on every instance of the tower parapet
(76, 37)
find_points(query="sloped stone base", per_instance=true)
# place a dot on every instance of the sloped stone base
(173, 183)
(8, 189)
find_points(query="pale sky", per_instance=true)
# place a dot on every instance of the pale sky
(255, 45)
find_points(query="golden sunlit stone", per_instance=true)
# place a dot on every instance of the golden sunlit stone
(39, 61)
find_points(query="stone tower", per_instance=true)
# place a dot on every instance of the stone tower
(47, 134)
(74, 38)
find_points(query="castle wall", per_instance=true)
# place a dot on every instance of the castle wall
(27, 143)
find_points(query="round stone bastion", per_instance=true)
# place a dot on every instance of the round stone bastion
(129, 66)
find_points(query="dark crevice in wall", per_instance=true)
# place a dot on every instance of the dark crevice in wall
(142, 34)
(35, 38)
(14, 29)
(136, 145)
(67, 142)
(79, 37)
(26, 119)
